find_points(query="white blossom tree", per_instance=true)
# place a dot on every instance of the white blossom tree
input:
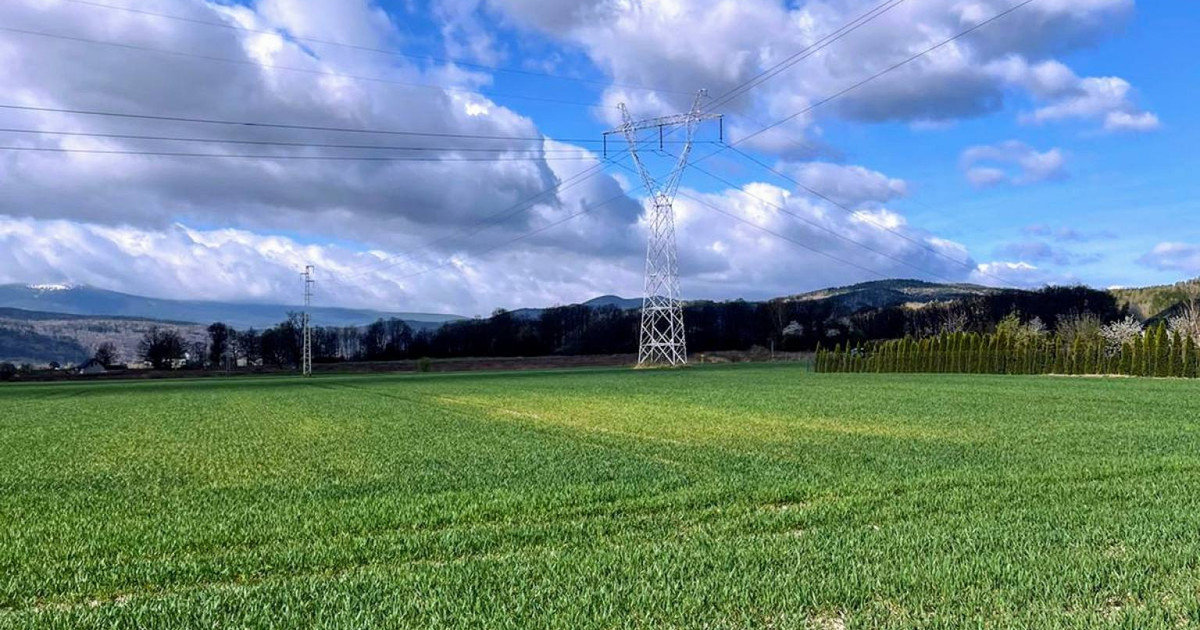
(1119, 333)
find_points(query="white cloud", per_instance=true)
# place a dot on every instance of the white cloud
(1125, 121)
(848, 184)
(143, 224)
(1017, 274)
(384, 203)
(731, 41)
(982, 164)
(1173, 256)
(717, 252)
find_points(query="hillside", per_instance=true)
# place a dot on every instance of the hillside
(597, 302)
(19, 346)
(83, 300)
(1152, 302)
(888, 293)
(38, 337)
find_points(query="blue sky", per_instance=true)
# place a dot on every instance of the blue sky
(1053, 146)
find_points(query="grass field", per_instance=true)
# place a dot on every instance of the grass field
(731, 497)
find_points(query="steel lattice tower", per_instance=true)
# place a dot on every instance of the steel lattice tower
(662, 340)
(306, 353)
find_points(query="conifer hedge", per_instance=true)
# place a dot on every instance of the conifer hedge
(1158, 353)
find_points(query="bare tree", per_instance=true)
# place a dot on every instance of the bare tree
(1083, 327)
(106, 354)
(161, 347)
(1187, 321)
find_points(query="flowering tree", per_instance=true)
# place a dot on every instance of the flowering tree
(1119, 333)
(1187, 322)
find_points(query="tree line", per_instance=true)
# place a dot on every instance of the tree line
(788, 325)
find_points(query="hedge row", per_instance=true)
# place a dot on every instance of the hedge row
(1156, 352)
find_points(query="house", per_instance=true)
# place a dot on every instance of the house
(91, 366)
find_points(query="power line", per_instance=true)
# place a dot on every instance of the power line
(830, 99)
(887, 70)
(384, 51)
(350, 158)
(806, 52)
(318, 145)
(245, 62)
(287, 126)
(292, 126)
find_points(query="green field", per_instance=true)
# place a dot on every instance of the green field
(729, 497)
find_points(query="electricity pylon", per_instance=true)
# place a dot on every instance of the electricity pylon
(306, 358)
(662, 340)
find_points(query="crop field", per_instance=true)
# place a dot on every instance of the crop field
(725, 497)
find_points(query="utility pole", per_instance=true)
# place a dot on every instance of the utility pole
(662, 340)
(306, 359)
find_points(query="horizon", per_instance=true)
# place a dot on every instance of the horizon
(54, 287)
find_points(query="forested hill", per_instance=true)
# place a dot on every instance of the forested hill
(871, 311)
(1157, 301)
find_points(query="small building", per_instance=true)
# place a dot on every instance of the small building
(91, 366)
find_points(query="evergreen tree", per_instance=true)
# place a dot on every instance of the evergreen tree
(1175, 360)
(992, 351)
(1137, 365)
(1148, 354)
(1189, 358)
(1162, 350)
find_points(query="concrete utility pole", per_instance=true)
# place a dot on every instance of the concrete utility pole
(662, 340)
(306, 359)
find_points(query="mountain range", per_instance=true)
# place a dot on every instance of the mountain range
(90, 301)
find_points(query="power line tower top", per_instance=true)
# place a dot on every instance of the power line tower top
(662, 340)
(306, 356)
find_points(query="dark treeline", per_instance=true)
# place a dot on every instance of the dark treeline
(788, 325)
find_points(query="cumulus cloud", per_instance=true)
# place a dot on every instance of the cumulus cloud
(730, 42)
(1095, 98)
(439, 235)
(229, 264)
(848, 185)
(1127, 121)
(387, 203)
(839, 247)
(1018, 274)
(1173, 256)
(982, 164)
(720, 257)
